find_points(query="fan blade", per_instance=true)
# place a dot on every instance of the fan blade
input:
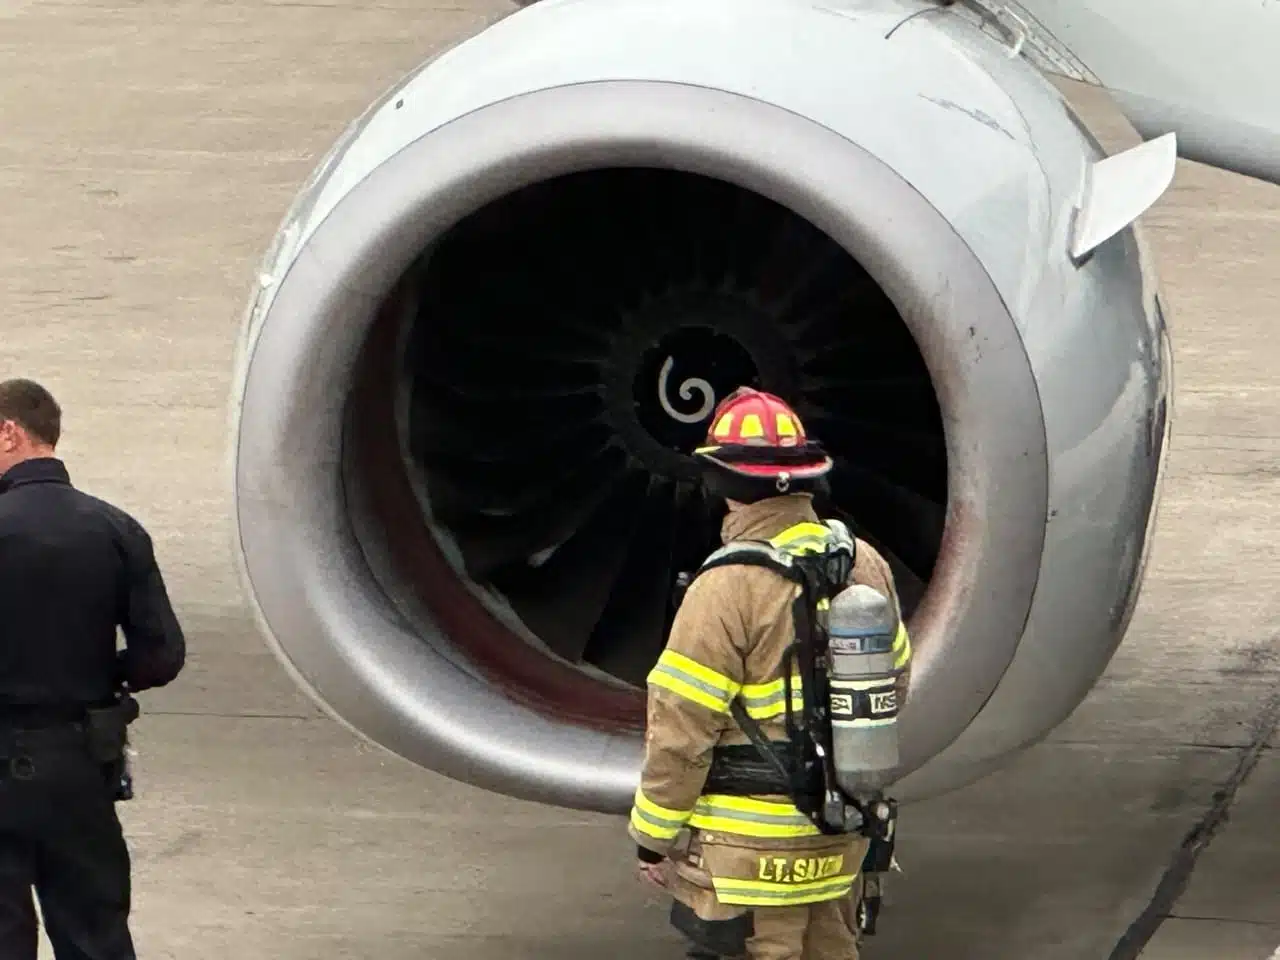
(489, 544)
(490, 536)
(438, 423)
(916, 460)
(562, 599)
(518, 495)
(633, 627)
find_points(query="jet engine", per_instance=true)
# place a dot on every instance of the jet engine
(498, 317)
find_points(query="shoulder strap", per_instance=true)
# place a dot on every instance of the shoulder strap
(841, 534)
(780, 556)
(753, 553)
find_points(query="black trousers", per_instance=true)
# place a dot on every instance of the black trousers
(60, 835)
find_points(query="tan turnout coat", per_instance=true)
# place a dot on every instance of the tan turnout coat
(728, 639)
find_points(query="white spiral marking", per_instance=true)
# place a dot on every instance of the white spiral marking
(686, 393)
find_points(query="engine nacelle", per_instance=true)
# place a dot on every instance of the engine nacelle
(497, 319)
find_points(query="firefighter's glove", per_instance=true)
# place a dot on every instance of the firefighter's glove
(646, 855)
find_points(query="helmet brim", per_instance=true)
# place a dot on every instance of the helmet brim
(748, 483)
(800, 463)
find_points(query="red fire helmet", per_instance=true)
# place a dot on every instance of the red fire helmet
(757, 435)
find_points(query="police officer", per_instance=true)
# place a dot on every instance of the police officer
(754, 876)
(72, 569)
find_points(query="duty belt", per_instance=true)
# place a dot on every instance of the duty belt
(29, 738)
(29, 716)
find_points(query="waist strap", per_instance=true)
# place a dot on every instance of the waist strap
(739, 770)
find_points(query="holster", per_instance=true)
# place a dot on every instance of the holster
(879, 858)
(107, 733)
(108, 729)
(875, 867)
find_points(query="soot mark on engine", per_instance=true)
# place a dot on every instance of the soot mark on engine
(988, 121)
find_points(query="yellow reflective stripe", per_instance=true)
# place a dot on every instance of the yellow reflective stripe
(777, 708)
(803, 545)
(902, 647)
(640, 820)
(759, 831)
(683, 664)
(749, 817)
(762, 893)
(655, 820)
(688, 691)
(805, 530)
(802, 538)
(689, 679)
(767, 700)
(659, 811)
(770, 688)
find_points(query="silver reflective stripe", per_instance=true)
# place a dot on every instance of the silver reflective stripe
(758, 703)
(771, 699)
(708, 688)
(730, 549)
(660, 822)
(707, 809)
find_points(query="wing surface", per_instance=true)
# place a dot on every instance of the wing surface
(1207, 71)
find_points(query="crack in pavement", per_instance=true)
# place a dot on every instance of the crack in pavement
(1178, 874)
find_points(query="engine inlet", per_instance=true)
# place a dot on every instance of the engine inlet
(569, 344)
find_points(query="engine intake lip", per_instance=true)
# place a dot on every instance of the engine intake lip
(311, 579)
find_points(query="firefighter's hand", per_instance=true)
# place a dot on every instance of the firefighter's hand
(653, 873)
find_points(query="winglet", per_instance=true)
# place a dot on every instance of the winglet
(1120, 189)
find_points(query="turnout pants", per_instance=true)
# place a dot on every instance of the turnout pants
(825, 930)
(819, 931)
(60, 835)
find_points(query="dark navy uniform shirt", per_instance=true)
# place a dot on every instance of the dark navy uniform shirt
(72, 569)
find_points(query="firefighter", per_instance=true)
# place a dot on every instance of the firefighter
(749, 873)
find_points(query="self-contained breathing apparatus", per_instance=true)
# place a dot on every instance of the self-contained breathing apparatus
(842, 747)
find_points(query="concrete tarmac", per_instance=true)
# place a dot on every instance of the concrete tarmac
(149, 151)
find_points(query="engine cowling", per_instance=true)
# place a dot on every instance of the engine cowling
(496, 321)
